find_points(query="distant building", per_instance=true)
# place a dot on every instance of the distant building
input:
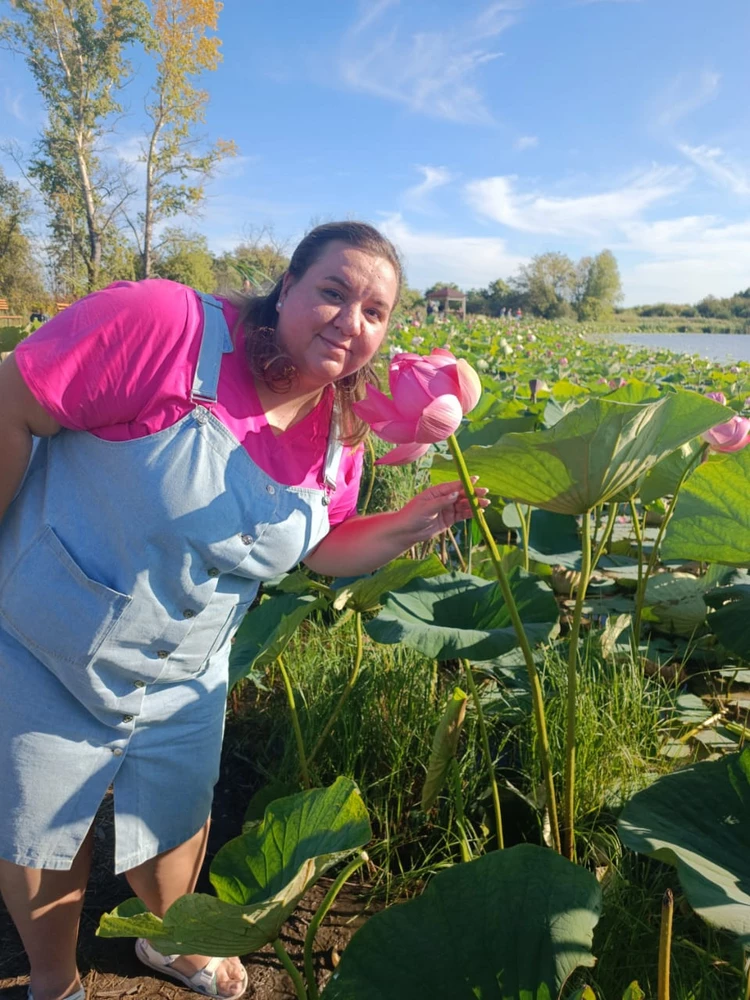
(448, 300)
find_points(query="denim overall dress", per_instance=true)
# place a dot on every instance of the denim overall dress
(125, 568)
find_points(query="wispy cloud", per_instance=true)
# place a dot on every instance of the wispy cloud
(685, 95)
(431, 72)
(719, 167)
(496, 198)
(470, 261)
(526, 142)
(417, 197)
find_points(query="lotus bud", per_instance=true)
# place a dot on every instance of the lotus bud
(718, 396)
(537, 385)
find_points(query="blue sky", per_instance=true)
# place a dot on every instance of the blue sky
(479, 134)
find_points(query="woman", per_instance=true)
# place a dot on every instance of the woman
(176, 465)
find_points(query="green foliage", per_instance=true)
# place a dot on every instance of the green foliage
(259, 877)
(76, 52)
(184, 257)
(698, 820)
(461, 615)
(512, 925)
(592, 454)
(444, 746)
(20, 276)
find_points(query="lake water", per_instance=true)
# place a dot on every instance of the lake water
(723, 347)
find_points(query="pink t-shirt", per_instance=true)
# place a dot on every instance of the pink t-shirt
(120, 364)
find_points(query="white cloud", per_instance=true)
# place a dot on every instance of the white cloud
(587, 215)
(719, 168)
(526, 142)
(416, 197)
(470, 261)
(685, 95)
(430, 72)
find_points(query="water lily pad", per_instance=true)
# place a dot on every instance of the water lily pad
(512, 925)
(592, 455)
(698, 820)
(259, 877)
(462, 615)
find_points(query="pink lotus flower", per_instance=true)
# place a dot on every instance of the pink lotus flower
(563, 362)
(617, 383)
(718, 396)
(734, 435)
(430, 396)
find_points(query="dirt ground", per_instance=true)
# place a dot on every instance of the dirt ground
(109, 968)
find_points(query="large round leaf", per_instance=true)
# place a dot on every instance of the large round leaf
(259, 877)
(363, 593)
(512, 925)
(698, 819)
(462, 615)
(711, 522)
(592, 454)
(729, 620)
(266, 630)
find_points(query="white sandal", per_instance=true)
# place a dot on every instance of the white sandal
(80, 994)
(203, 981)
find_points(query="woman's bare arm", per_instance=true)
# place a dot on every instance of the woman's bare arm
(21, 416)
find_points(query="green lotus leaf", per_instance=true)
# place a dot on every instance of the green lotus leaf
(665, 476)
(590, 456)
(729, 621)
(676, 601)
(512, 925)
(711, 522)
(444, 747)
(266, 630)
(364, 593)
(259, 876)
(698, 819)
(492, 430)
(462, 615)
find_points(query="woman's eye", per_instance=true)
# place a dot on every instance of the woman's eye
(374, 315)
(333, 293)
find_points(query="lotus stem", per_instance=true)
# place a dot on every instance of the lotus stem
(458, 801)
(524, 534)
(325, 906)
(371, 483)
(345, 693)
(487, 754)
(534, 681)
(295, 723)
(665, 945)
(642, 584)
(604, 540)
(570, 729)
(461, 560)
(283, 956)
(468, 531)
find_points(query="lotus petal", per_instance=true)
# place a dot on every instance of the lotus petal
(376, 407)
(469, 386)
(403, 454)
(731, 436)
(439, 420)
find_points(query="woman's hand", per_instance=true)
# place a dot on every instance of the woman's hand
(437, 508)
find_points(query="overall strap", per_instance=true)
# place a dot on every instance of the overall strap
(215, 342)
(334, 451)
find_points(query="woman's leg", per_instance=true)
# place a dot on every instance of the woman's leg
(46, 908)
(163, 879)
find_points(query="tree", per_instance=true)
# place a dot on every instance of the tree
(20, 278)
(175, 173)
(260, 254)
(75, 50)
(599, 288)
(184, 257)
(546, 284)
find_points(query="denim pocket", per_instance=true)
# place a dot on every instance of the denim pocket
(49, 604)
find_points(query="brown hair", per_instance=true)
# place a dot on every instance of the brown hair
(258, 317)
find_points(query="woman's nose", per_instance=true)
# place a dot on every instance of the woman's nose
(349, 319)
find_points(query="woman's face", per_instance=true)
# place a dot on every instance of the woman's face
(333, 319)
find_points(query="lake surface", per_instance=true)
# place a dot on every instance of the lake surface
(724, 347)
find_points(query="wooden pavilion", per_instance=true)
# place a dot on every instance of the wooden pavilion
(448, 300)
